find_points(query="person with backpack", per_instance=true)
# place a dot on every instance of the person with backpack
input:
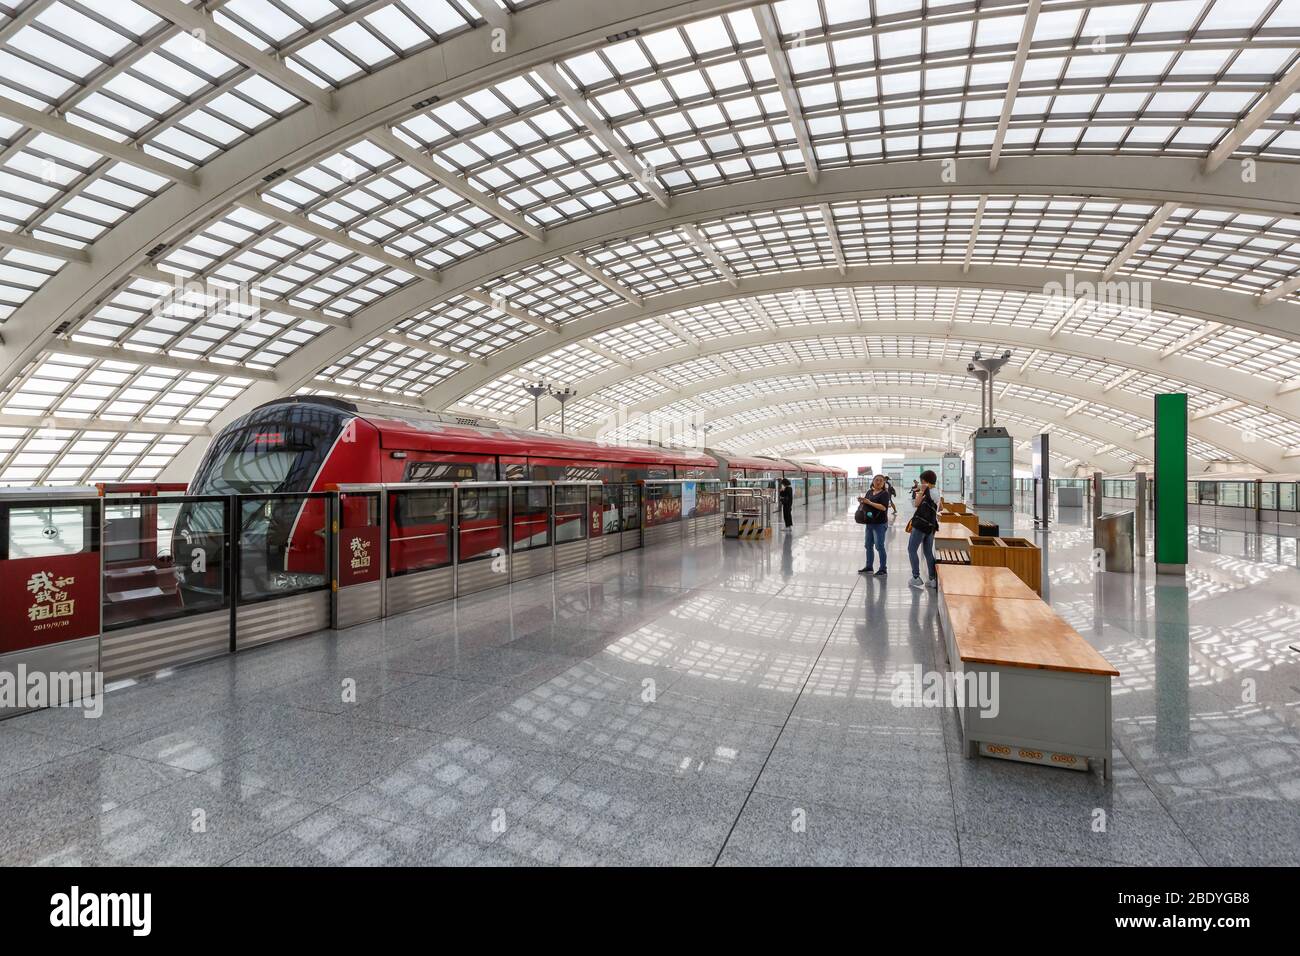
(873, 511)
(924, 523)
(786, 497)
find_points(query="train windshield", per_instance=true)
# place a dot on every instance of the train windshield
(273, 449)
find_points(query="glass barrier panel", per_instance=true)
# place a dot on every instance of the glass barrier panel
(419, 530)
(47, 531)
(708, 498)
(532, 517)
(164, 557)
(622, 508)
(1286, 497)
(662, 505)
(570, 508)
(1268, 496)
(283, 545)
(481, 524)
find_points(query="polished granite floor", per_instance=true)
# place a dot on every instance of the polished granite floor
(715, 703)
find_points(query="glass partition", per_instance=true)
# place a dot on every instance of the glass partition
(532, 517)
(163, 558)
(662, 504)
(622, 508)
(419, 530)
(570, 509)
(708, 498)
(283, 545)
(481, 523)
(1286, 497)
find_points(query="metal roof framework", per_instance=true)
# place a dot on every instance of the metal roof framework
(207, 207)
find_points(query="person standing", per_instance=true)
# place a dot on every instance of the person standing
(924, 523)
(786, 497)
(889, 486)
(877, 500)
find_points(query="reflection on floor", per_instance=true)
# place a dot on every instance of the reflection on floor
(726, 702)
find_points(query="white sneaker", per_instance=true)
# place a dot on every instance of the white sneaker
(916, 583)
(932, 583)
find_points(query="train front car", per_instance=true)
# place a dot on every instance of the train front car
(271, 457)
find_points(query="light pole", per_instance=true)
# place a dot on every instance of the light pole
(537, 390)
(562, 396)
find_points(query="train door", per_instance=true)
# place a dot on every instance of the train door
(359, 569)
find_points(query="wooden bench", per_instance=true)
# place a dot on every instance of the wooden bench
(951, 556)
(1050, 700)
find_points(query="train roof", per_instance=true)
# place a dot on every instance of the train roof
(413, 431)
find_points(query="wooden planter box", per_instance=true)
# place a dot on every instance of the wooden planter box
(987, 553)
(956, 507)
(1026, 559)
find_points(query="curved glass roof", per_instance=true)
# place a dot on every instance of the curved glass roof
(682, 216)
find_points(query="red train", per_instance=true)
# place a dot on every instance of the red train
(311, 443)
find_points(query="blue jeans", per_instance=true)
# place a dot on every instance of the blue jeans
(876, 538)
(918, 539)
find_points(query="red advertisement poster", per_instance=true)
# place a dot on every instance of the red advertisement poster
(358, 556)
(48, 600)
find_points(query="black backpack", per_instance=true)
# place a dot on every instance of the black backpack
(927, 515)
(860, 516)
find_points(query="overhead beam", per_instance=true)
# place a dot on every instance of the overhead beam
(603, 132)
(217, 288)
(710, 252)
(115, 425)
(207, 31)
(1143, 235)
(87, 139)
(1013, 82)
(339, 237)
(502, 305)
(974, 234)
(492, 14)
(424, 164)
(1253, 120)
(584, 265)
(159, 360)
(410, 342)
(41, 247)
(1280, 291)
(833, 233)
(1194, 338)
(776, 58)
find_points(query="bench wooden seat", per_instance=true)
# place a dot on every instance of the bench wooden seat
(1052, 697)
(1020, 633)
(967, 579)
(951, 531)
(952, 556)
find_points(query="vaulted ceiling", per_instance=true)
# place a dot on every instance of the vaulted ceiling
(793, 223)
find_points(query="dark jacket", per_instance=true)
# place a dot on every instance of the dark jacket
(786, 496)
(880, 497)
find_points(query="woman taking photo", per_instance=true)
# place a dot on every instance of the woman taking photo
(877, 501)
(924, 523)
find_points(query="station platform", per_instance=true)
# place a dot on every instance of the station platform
(699, 703)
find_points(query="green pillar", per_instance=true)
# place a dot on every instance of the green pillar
(1171, 483)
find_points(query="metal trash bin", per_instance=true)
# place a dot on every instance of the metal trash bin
(1112, 534)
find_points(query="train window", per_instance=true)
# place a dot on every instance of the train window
(532, 517)
(442, 471)
(419, 533)
(514, 469)
(481, 523)
(409, 508)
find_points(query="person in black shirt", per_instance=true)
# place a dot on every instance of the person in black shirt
(877, 500)
(786, 497)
